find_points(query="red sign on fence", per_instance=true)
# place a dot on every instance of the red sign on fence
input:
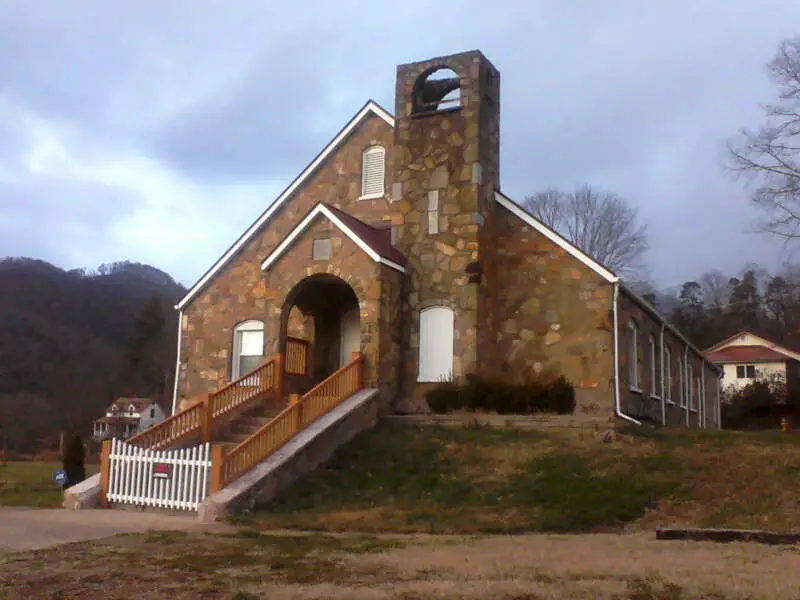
(162, 471)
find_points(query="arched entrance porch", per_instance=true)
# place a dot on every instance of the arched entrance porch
(323, 311)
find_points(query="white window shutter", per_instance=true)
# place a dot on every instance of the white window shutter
(373, 171)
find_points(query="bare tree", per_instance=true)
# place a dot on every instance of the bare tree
(715, 290)
(601, 223)
(771, 155)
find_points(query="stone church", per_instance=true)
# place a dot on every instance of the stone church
(397, 241)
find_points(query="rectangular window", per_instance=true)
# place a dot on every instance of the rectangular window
(655, 382)
(322, 249)
(692, 399)
(699, 395)
(633, 356)
(682, 379)
(745, 371)
(667, 374)
(433, 211)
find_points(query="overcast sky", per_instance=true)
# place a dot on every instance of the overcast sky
(157, 131)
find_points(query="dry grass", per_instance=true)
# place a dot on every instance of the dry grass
(247, 566)
(30, 483)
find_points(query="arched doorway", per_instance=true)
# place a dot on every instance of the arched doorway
(324, 311)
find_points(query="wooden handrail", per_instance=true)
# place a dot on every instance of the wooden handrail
(172, 430)
(248, 387)
(297, 416)
(199, 418)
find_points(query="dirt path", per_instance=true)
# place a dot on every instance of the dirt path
(31, 528)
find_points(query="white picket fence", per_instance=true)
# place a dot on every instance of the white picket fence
(177, 479)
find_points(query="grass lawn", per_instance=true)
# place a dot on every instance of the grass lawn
(30, 483)
(446, 488)
(247, 565)
(400, 478)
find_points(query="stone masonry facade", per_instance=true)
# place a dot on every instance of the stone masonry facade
(523, 306)
(349, 264)
(453, 154)
(238, 292)
(555, 316)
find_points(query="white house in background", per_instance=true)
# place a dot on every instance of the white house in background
(126, 417)
(745, 357)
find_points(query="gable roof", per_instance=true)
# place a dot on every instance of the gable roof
(375, 242)
(555, 237)
(747, 354)
(764, 343)
(139, 404)
(371, 108)
(379, 239)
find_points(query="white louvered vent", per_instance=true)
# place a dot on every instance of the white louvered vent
(373, 168)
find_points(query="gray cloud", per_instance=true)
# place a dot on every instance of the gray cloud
(61, 220)
(635, 97)
(259, 128)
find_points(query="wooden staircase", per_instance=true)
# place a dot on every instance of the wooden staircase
(248, 422)
(249, 419)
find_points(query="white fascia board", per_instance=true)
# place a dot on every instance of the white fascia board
(369, 108)
(321, 209)
(555, 238)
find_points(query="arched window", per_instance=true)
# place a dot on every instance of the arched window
(131, 410)
(436, 327)
(248, 347)
(438, 89)
(373, 172)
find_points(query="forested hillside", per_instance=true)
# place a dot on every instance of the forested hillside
(71, 341)
(716, 305)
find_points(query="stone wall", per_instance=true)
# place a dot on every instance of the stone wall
(640, 400)
(237, 292)
(392, 337)
(541, 422)
(644, 401)
(452, 153)
(554, 316)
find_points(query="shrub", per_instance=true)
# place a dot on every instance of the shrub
(444, 398)
(487, 395)
(758, 405)
(561, 396)
(73, 461)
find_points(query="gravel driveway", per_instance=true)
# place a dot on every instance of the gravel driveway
(32, 528)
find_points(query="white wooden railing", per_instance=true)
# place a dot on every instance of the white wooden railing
(177, 479)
